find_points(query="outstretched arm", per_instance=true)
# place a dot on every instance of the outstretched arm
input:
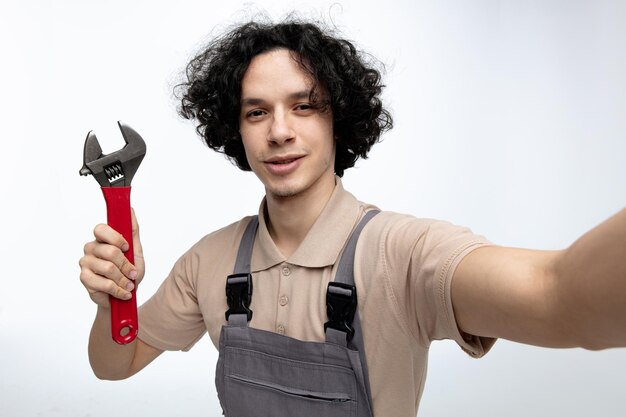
(573, 297)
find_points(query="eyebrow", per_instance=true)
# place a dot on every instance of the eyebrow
(298, 95)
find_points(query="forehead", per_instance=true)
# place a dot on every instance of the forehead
(275, 71)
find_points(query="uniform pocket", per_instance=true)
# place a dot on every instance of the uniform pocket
(253, 397)
(259, 384)
(313, 395)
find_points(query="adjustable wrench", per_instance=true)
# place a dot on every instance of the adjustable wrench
(114, 172)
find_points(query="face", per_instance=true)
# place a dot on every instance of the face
(288, 141)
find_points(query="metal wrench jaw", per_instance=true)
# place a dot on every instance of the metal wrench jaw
(118, 168)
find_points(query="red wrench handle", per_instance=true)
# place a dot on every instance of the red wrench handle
(124, 323)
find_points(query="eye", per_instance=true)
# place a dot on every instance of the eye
(304, 107)
(255, 114)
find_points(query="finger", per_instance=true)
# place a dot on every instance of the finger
(109, 253)
(89, 248)
(106, 234)
(116, 261)
(135, 228)
(137, 248)
(97, 284)
(109, 271)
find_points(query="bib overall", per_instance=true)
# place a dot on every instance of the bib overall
(265, 374)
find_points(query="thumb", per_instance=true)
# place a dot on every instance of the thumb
(137, 249)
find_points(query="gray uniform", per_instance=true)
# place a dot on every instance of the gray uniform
(260, 373)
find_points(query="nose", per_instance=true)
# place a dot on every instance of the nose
(281, 130)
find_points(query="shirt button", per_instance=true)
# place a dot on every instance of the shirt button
(283, 300)
(281, 329)
(286, 271)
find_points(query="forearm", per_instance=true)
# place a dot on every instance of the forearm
(108, 359)
(591, 280)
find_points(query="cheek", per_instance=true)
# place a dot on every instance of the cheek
(325, 132)
(248, 149)
(252, 137)
(247, 135)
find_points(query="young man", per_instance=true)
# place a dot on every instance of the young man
(298, 107)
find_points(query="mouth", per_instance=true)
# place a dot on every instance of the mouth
(283, 160)
(283, 165)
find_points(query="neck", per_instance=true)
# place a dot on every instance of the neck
(289, 219)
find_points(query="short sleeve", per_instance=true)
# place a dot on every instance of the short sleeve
(422, 255)
(171, 319)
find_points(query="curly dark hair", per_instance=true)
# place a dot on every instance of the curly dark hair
(352, 86)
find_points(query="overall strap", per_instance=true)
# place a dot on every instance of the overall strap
(343, 289)
(244, 255)
(345, 270)
(343, 325)
(239, 283)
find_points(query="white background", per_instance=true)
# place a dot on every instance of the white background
(510, 118)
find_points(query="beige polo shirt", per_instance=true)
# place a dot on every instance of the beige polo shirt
(403, 270)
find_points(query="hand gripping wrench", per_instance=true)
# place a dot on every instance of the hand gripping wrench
(114, 173)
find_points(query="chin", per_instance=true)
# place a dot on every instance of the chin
(284, 190)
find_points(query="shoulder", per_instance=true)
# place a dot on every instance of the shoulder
(401, 242)
(215, 246)
(210, 257)
(394, 228)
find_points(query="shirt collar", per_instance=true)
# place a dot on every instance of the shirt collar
(324, 241)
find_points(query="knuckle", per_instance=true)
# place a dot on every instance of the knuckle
(100, 227)
(112, 288)
(84, 277)
(109, 268)
(87, 247)
(123, 282)
(86, 263)
(124, 263)
(119, 292)
(110, 252)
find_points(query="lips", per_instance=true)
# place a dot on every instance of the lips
(282, 162)
(283, 165)
(283, 159)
